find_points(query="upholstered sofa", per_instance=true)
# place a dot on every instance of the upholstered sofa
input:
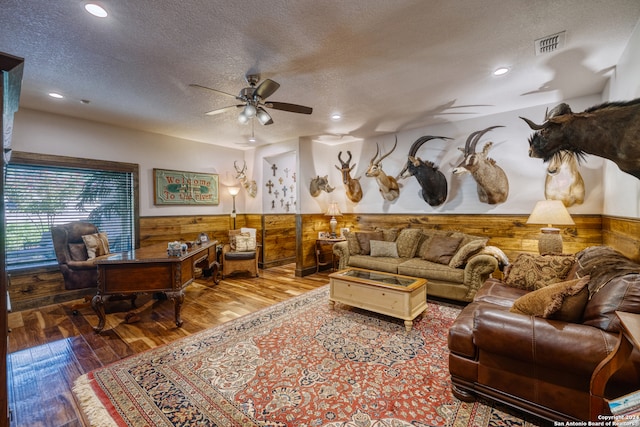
(533, 339)
(454, 263)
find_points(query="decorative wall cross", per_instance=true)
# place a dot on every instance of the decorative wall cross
(286, 172)
(274, 168)
(270, 185)
(284, 190)
(280, 180)
(293, 176)
(287, 206)
(276, 193)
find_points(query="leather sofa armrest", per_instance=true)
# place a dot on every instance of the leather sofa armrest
(477, 271)
(541, 342)
(341, 250)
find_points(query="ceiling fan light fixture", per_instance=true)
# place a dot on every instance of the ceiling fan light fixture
(263, 117)
(501, 71)
(96, 10)
(249, 111)
(243, 119)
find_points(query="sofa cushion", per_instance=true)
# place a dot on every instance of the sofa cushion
(407, 242)
(364, 237)
(352, 242)
(532, 272)
(467, 250)
(561, 301)
(442, 248)
(380, 248)
(618, 294)
(388, 264)
(388, 234)
(97, 244)
(417, 267)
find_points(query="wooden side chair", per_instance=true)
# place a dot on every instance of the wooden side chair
(241, 253)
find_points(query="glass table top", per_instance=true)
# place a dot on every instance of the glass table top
(375, 276)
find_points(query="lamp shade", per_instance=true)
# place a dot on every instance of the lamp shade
(233, 190)
(333, 209)
(550, 212)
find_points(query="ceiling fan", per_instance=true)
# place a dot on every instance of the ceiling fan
(254, 101)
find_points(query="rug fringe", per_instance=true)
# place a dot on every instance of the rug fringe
(92, 408)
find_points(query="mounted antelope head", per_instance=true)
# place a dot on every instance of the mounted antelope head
(432, 181)
(388, 185)
(563, 181)
(492, 182)
(351, 185)
(319, 184)
(250, 186)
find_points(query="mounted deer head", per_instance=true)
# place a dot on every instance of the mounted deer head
(250, 186)
(388, 185)
(351, 185)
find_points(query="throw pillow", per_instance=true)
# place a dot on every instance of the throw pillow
(466, 251)
(363, 240)
(78, 251)
(97, 244)
(441, 249)
(560, 301)
(352, 242)
(383, 248)
(407, 242)
(531, 272)
(389, 234)
(245, 243)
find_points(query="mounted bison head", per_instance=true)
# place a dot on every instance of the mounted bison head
(610, 130)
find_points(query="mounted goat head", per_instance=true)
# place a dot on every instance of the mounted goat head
(388, 185)
(492, 182)
(610, 130)
(351, 185)
(250, 186)
(432, 181)
(319, 184)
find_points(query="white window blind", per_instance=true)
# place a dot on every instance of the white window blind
(40, 196)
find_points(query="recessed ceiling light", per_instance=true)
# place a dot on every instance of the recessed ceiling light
(55, 95)
(96, 10)
(336, 116)
(501, 71)
(252, 139)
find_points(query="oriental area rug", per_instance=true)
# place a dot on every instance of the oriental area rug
(297, 363)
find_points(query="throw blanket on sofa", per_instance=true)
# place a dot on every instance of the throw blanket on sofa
(603, 264)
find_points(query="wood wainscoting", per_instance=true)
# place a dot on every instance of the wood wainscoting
(287, 238)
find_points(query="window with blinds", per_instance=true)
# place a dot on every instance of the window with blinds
(40, 196)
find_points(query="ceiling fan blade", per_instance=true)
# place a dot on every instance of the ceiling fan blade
(214, 90)
(266, 89)
(222, 110)
(292, 108)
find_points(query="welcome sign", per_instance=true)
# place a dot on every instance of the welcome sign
(184, 188)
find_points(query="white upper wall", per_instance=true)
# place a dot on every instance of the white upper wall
(510, 150)
(623, 190)
(38, 132)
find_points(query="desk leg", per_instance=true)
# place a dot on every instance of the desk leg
(97, 303)
(178, 299)
(215, 272)
(603, 372)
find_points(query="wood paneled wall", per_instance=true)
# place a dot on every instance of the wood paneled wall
(287, 238)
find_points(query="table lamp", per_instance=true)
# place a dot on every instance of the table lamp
(550, 212)
(333, 212)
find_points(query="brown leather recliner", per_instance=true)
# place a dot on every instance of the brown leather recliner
(539, 365)
(78, 271)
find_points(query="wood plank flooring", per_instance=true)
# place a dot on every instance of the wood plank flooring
(50, 347)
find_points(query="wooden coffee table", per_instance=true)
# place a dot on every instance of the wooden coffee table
(394, 295)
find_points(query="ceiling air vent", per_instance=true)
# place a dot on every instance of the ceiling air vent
(550, 43)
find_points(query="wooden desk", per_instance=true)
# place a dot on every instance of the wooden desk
(150, 270)
(629, 338)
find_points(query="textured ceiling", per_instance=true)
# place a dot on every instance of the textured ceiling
(385, 65)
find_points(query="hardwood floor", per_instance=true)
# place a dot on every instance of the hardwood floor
(50, 347)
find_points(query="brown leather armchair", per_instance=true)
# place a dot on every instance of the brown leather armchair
(78, 271)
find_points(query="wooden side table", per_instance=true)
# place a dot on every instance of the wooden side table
(629, 338)
(324, 253)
